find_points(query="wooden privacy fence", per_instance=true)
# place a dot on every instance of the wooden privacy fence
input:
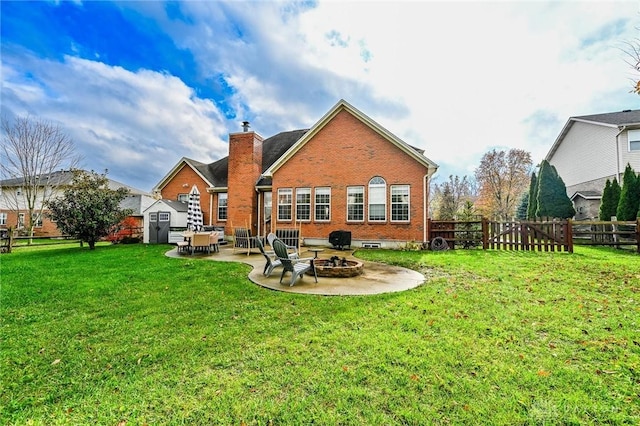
(544, 234)
(539, 235)
(605, 233)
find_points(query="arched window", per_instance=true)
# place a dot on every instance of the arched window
(377, 200)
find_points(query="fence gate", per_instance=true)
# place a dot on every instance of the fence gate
(540, 235)
(159, 223)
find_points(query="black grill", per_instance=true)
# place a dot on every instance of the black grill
(340, 239)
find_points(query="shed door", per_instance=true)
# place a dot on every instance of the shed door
(159, 223)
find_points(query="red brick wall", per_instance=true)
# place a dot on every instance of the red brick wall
(47, 228)
(182, 182)
(245, 167)
(345, 153)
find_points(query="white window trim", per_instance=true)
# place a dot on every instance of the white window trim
(408, 203)
(225, 207)
(382, 186)
(285, 191)
(303, 191)
(324, 190)
(364, 203)
(633, 140)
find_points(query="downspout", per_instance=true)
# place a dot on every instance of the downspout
(210, 208)
(258, 215)
(425, 210)
(622, 129)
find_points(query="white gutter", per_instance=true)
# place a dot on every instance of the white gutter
(622, 129)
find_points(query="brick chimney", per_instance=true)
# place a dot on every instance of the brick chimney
(245, 167)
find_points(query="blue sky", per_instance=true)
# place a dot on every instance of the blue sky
(140, 84)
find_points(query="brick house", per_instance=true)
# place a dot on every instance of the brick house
(13, 205)
(345, 173)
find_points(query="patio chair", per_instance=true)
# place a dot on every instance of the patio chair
(201, 241)
(272, 263)
(292, 249)
(271, 258)
(298, 267)
(242, 240)
(213, 242)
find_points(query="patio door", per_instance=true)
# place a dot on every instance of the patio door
(159, 223)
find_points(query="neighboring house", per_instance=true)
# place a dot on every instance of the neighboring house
(345, 173)
(591, 149)
(14, 212)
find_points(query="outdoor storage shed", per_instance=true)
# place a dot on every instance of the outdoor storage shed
(165, 220)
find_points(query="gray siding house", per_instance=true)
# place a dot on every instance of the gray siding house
(591, 149)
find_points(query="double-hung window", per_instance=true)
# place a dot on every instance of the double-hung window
(183, 197)
(323, 204)
(399, 203)
(355, 203)
(222, 206)
(3, 218)
(303, 204)
(284, 203)
(377, 200)
(634, 140)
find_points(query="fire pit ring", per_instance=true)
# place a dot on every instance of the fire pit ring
(337, 268)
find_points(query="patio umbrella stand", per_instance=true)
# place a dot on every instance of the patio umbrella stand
(194, 212)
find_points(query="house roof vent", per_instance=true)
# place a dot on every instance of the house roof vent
(245, 126)
(626, 110)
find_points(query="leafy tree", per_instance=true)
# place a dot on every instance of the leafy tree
(33, 150)
(449, 196)
(532, 200)
(88, 208)
(629, 196)
(552, 196)
(610, 199)
(502, 177)
(523, 208)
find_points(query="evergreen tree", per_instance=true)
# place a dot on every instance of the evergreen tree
(629, 196)
(616, 190)
(552, 194)
(610, 199)
(533, 191)
(523, 208)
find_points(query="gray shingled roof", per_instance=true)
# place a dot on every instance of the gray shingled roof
(272, 149)
(588, 195)
(622, 118)
(65, 177)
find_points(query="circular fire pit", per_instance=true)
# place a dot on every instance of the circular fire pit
(337, 268)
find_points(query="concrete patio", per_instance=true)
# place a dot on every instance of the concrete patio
(377, 278)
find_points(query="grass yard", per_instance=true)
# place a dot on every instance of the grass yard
(124, 335)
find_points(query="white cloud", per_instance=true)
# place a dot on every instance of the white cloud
(454, 78)
(136, 124)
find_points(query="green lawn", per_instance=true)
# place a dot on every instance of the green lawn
(124, 334)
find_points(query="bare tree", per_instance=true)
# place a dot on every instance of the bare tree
(502, 179)
(33, 152)
(632, 51)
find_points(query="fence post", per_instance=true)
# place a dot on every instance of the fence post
(638, 233)
(485, 233)
(569, 236)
